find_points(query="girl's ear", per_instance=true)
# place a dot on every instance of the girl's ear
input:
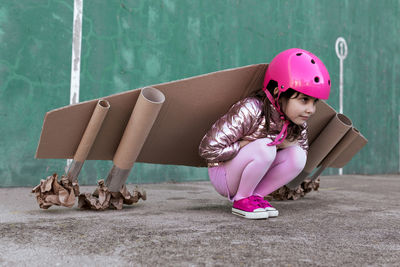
(276, 91)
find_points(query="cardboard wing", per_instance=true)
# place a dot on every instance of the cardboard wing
(191, 106)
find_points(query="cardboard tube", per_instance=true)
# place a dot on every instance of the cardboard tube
(359, 142)
(139, 125)
(327, 140)
(298, 180)
(116, 178)
(345, 142)
(73, 170)
(88, 138)
(92, 130)
(138, 128)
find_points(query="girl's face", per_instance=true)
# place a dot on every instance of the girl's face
(299, 108)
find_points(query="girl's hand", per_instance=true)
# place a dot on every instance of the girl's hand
(243, 143)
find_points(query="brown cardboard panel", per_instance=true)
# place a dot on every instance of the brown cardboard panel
(63, 128)
(319, 120)
(191, 106)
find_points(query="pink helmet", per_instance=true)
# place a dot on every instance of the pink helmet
(300, 70)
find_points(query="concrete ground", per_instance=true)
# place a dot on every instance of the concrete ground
(350, 221)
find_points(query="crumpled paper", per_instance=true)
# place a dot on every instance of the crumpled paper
(285, 193)
(51, 192)
(102, 198)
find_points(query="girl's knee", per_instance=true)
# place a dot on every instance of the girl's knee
(298, 157)
(262, 152)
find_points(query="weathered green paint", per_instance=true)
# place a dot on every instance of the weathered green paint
(129, 44)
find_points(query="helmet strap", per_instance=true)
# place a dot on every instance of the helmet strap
(281, 136)
(275, 102)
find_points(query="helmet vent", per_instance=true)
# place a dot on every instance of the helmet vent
(299, 54)
(316, 79)
(329, 82)
(312, 61)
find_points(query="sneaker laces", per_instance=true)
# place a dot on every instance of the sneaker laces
(262, 201)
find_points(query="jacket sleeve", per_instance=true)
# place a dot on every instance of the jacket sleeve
(303, 139)
(221, 142)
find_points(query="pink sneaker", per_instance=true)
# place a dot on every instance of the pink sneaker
(249, 209)
(272, 212)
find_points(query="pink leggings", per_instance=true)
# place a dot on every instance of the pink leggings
(257, 169)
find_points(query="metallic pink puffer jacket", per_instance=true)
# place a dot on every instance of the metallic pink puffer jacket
(242, 122)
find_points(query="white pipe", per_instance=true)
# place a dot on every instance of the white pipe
(341, 52)
(76, 52)
(76, 56)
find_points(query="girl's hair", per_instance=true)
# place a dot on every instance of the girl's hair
(294, 131)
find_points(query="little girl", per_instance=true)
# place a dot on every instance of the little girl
(261, 143)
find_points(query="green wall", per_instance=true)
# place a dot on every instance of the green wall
(129, 44)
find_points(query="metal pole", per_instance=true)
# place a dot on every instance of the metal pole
(76, 57)
(341, 52)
